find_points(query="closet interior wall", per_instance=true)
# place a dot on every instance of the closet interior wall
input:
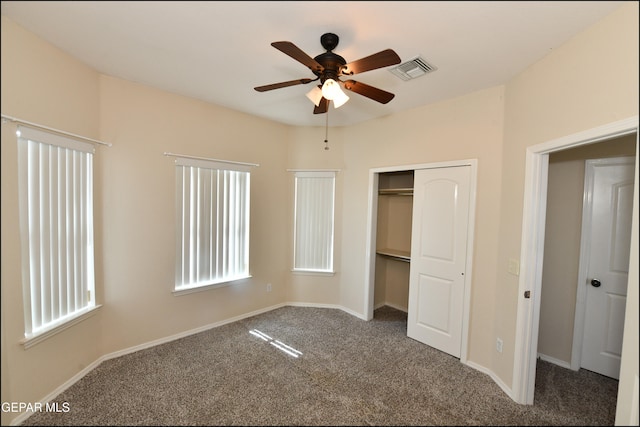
(393, 239)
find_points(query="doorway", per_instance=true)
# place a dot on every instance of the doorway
(562, 312)
(605, 264)
(534, 217)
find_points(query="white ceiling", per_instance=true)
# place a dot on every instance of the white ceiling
(218, 51)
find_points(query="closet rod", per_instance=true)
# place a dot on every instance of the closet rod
(396, 191)
(35, 125)
(185, 156)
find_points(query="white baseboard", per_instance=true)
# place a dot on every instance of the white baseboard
(397, 307)
(334, 306)
(494, 377)
(77, 377)
(48, 398)
(555, 361)
(189, 332)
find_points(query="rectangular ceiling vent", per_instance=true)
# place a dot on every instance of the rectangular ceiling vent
(412, 69)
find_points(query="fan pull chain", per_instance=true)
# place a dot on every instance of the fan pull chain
(326, 131)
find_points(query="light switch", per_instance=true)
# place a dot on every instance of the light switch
(514, 267)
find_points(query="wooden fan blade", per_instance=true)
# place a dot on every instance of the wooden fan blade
(296, 53)
(322, 107)
(377, 60)
(369, 91)
(283, 84)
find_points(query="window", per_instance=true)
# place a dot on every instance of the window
(313, 228)
(56, 225)
(212, 213)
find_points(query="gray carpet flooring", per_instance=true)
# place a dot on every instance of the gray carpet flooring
(347, 372)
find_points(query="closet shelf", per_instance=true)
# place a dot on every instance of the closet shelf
(396, 191)
(396, 254)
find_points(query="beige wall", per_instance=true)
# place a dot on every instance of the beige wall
(562, 243)
(391, 283)
(48, 87)
(307, 151)
(590, 81)
(137, 206)
(134, 210)
(468, 127)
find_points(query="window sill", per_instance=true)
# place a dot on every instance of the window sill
(37, 338)
(313, 272)
(205, 287)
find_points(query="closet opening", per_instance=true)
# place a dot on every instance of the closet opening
(420, 217)
(393, 241)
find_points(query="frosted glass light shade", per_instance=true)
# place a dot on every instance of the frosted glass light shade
(315, 95)
(340, 99)
(332, 91)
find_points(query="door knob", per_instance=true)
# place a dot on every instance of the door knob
(595, 283)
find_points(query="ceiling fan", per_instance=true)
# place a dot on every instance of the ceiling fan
(328, 67)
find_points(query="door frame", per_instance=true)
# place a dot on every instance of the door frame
(372, 220)
(585, 249)
(532, 246)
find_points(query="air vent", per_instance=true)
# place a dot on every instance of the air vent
(412, 69)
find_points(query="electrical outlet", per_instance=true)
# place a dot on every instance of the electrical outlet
(498, 345)
(268, 287)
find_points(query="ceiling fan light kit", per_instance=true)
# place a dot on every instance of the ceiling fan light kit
(328, 67)
(315, 95)
(331, 90)
(340, 99)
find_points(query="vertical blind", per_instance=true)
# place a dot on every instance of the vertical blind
(56, 220)
(314, 221)
(212, 211)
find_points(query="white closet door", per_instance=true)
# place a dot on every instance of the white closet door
(438, 257)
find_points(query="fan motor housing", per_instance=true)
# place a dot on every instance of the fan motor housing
(332, 64)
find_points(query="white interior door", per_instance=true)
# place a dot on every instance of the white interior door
(608, 209)
(438, 257)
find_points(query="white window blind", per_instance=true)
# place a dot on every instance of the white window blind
(314, 221)
(212, 212)
(56, 220)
